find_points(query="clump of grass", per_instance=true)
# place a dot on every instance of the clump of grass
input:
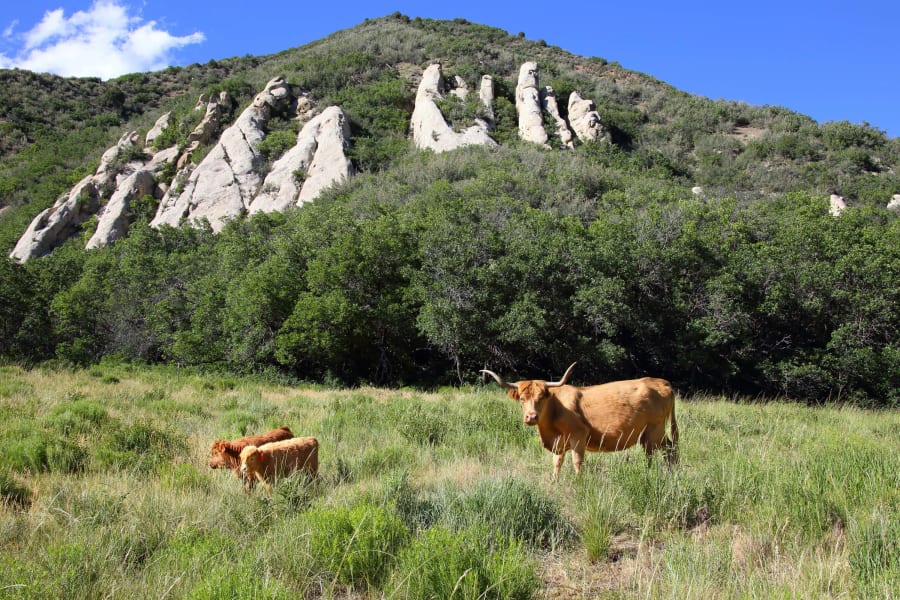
(12, 492)
(139, 446)
(875, 555)
(33, 449)
(470, 563)
(508, 508)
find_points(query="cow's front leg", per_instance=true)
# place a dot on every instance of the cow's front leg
(577, 459)
(557, 464)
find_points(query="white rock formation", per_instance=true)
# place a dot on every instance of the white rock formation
(203, 133)
(319, 154)
(161, 124)
(528, 105)
(584, 119)
(549, 104)
(697, 190)
(429, 128)
(115, 216)
(486, 94)
(894, 204)
(58, 223)
(837, 205)
(224, 183)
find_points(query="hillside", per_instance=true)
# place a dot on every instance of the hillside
(693, 241)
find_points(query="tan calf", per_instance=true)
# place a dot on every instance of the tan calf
(269, 462)
(226, 454)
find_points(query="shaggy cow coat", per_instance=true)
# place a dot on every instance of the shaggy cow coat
(274, 460)
(226, 454)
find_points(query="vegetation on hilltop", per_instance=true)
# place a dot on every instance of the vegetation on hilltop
(424, 268)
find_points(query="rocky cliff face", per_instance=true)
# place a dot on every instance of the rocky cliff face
(430, 130)
(228, 182)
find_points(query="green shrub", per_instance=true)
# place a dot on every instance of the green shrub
(11, 491)
(508, 508)
(354, 546)
(78, 417)
(139, 446)
(34, 449)
(443, 563)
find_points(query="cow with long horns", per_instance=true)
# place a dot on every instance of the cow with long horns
(598, 418)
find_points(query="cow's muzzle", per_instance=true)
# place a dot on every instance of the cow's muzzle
(530, 418)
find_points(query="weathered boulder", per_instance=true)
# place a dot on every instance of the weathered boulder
(161, 125)
(208, 128)
(549, 104)
(318, 158)
(114, 218)
(486, 94)
(430, 130)
(836, 205)
(894, 204)
(528, 105)
(224, 183)
(585, 119)
(58, 223)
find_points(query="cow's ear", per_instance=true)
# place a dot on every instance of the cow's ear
(513, 393)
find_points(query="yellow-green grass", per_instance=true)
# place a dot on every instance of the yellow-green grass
(107, 493)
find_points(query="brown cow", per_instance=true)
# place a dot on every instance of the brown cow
(226, 454)
(279, 459)
(598, 418)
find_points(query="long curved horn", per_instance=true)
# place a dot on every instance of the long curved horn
(508, 386)
(565, 377)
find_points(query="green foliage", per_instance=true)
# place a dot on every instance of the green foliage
(447, 564)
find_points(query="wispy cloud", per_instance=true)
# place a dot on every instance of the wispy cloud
(104, 41)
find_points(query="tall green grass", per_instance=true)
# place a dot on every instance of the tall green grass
(105, 492)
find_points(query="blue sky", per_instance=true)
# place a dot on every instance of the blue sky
(831, 60)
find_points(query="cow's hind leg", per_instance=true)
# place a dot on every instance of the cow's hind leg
(652, 439)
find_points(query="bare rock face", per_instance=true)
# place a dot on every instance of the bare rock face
(429, 128)
(224, 183)
(61, 221)
(115, 216)
(208, 127)
(320, 159)
(486, 94)
(837, 205)
(161, 124)
(58, 223)
(528, 105)
(585, 119)
(894, 204)
(548, 102)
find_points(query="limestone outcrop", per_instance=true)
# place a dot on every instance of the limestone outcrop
(114, 217)
(836, 205)
(430, 130)
(161, 125)
(528, 105)
(551, 106)
(224, 183)
(584, 119)
(316, 162)
(894, 203)
(58, 223)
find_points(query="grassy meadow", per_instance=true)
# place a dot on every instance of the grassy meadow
(106, 493)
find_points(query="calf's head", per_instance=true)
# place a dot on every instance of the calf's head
(251, 459)
(531, 393)
(223, 456)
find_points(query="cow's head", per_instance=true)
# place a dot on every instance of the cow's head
(223, 456)
(531, 393)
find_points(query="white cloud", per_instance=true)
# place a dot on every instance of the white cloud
(104, 41)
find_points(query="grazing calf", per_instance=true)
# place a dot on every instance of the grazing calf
(270, 461)
(227, 454)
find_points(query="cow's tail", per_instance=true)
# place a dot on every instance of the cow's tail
(672, 445)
